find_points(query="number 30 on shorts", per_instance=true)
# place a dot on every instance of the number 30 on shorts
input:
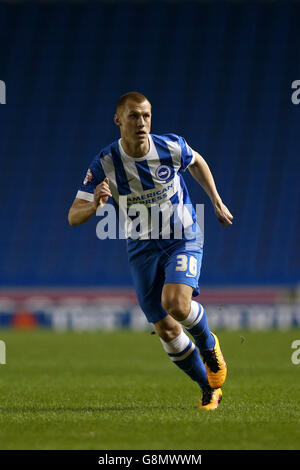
(185, 263)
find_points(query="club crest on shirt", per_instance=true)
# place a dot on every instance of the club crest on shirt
(88, 177)
(163, 172)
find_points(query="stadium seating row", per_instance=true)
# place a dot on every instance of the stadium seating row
(218, 74)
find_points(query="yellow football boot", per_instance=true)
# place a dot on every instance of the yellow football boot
(215, 365)
(210, 399)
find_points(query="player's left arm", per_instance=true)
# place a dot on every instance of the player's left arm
(200, 171)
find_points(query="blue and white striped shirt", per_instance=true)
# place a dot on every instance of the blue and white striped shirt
(152, 180)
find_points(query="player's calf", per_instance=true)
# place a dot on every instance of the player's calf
(167, 328)
(208, 344)
(196, 324)
(181, 350)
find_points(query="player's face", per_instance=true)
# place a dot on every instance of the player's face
(134, 120)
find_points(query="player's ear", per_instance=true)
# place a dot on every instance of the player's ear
(117, 119)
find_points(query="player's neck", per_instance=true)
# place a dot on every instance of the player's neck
(135, 149)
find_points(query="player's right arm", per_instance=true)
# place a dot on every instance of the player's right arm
(81, 210)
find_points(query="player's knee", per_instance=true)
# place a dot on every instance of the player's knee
(178, 306)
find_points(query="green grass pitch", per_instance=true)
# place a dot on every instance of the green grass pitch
(119, 390)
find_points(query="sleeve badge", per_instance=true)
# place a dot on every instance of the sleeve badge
(88, 177)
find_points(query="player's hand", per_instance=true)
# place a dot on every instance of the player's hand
(223, 214)
(102, 193)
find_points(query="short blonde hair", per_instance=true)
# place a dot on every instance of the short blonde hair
(131, 95)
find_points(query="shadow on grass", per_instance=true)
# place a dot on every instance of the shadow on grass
(33, 409)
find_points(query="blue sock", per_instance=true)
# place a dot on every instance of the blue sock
(197, 326)
(183, 353)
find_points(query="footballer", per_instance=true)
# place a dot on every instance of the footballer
(148, 168)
